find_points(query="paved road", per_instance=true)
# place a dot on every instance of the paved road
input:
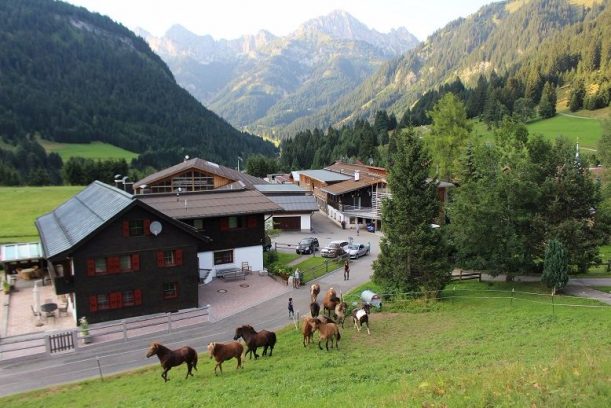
(43, 371)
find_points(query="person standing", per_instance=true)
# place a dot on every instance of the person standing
(358, 227)
(346, 270)
(291, 311)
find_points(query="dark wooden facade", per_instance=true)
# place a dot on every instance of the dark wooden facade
(117, 275)
(356, 198)
(225, 233)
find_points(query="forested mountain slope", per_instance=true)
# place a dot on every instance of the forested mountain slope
(76, 76)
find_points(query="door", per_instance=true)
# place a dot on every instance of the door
(287, 223)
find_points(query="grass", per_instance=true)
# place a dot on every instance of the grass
(467, 352)
(313, 267)
(93, 150)
(21, 206)
(284, 258)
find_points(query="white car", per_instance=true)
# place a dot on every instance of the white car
(356, 250)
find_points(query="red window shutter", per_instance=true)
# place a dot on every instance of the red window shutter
(90, 267)
(147, 227)
(160, 261)
(114, 264)
(135, 262)
(93, 303)
(125, 228)
(137, 297)
(115, 300)
(224, 223)
(252, 221)
(178, 257)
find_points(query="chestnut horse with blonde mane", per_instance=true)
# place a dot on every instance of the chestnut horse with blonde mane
(330, 301)
(314, 291)
(172, 358)
(223, 352)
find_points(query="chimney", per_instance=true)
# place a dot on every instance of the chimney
(128, 186)
(118, 182)
(357, 175)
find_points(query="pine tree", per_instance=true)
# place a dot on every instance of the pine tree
(556, 266)
(547, 104)
(412, 254)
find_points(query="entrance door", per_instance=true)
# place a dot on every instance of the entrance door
(287, 223)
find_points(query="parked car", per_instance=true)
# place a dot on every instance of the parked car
(307, 246)
(356, 250)
(371, 227)
(334, 249)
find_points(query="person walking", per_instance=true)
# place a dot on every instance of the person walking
(346, 270)
(358, 227)
(291, 311)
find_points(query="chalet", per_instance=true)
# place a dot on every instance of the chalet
(195, 175)
(233, 219)
(114, 256)
(297, 206)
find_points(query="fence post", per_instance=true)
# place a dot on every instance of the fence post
(169, 322)
(326, 266)
(75, 338)
(553, 304)
(275, 247)
(124, 326)
(513, 291)
(48, 344)
(99, 368)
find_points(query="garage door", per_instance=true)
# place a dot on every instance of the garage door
(287, 223)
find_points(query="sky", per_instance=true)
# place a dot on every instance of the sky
(230, 19)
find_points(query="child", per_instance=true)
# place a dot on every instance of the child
(291, 311)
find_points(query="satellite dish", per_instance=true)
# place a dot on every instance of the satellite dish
(155, 228)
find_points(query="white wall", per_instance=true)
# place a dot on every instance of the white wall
(252, 254)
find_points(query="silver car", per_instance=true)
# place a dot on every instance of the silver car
(334, 249)
(356, 250)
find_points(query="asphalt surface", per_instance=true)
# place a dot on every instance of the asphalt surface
(43, 371)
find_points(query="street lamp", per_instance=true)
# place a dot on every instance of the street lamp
(239, 158)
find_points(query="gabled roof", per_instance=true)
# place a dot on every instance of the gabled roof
(211, 203)
(324, 175)
(81, 215)
(281, 188)
(351, 185)
(202, 165)
(295, 203)
(350, 168)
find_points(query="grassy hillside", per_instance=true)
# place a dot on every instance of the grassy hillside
(460, 353)
(93, 150)
(20, 206)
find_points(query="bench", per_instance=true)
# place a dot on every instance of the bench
(231, 273)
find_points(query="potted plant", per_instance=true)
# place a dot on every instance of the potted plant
(6, 287)
(84, 325)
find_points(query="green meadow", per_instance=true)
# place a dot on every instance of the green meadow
(478, 348)
(93, 150)
(20, 206)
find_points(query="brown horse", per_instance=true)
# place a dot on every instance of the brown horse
(172, 358)
(340, 312)
(326, 319)
(327, 331)
(254, 340)
(223, 352)
(308, 331)
(314, 309)
(330, 301)
(314, 291)
(361, 317)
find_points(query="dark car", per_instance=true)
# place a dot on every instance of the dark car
(307, 246)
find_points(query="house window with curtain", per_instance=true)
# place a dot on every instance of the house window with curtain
(223, 257)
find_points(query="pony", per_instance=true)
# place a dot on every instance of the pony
(223, 352)
(326, 331)
(340, 312)
(361, 316)
(330, 301)
(314, 309)
(254, 340)
(172, 358)
(314, 291)
(326, 319)
(307, 330)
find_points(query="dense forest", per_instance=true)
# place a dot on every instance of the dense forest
(69, 75)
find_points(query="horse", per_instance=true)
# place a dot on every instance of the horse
(327, 331)
(326, 319)
(172, 358)
(340, 312)
(307, 330)
(254, 340)
(314, 291)
(314, 309)
(223, 352)
(361, 316)
(330, 301)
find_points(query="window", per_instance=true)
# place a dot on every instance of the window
(223, 257)
(170, 290)
(169, 257)
(235, 222)
(136, 228)
(100, 265)
(128, 298)
(103, 303)
(125, 263)
(198, 224)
